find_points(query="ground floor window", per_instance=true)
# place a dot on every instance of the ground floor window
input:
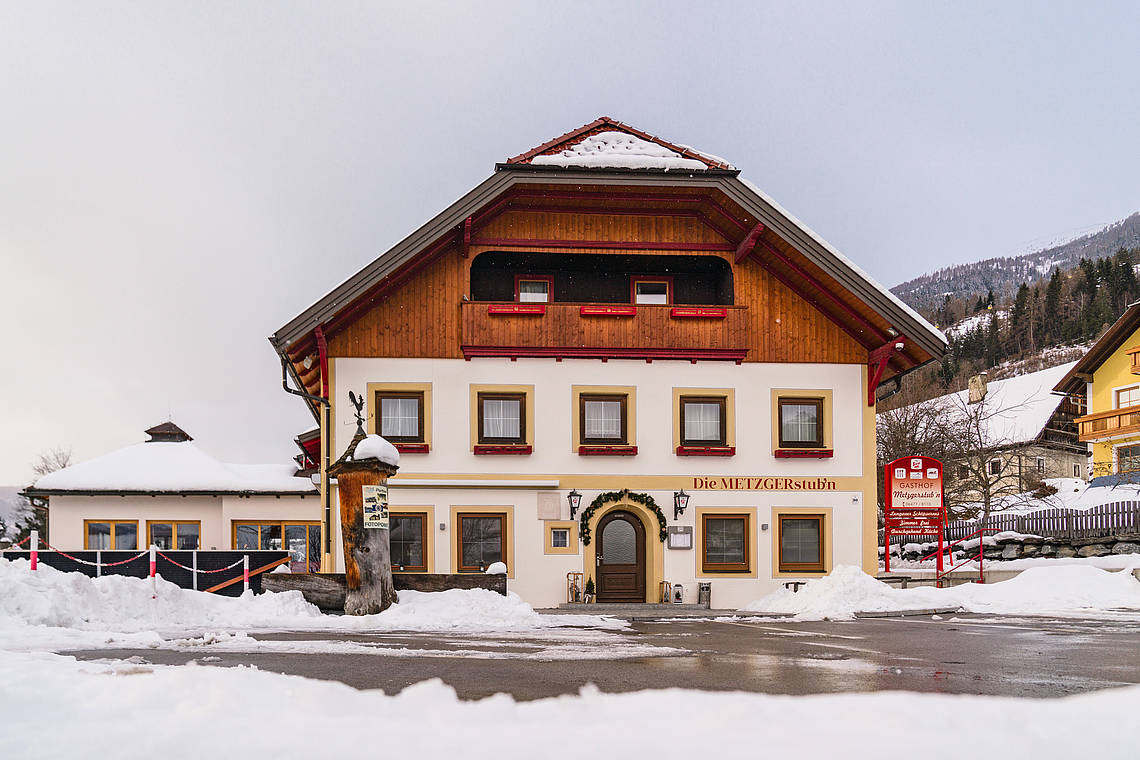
(301, 539)
(110, 534)
(1128, 458)
(407, 539)
(176, 534)
(801, 543)
(725, 544)
(481, 541)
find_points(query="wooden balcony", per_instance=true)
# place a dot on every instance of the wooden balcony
(1109, 424)
(605, 331)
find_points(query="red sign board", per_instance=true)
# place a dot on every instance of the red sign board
(914, 499)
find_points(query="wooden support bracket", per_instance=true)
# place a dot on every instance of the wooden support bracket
(749, 242)
(877, 365)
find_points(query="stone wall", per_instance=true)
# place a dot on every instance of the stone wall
(1010, 547)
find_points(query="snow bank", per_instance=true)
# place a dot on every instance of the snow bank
(47, 608)
(240, 708)
(116, 603)
(375, 447)
(1038, 590)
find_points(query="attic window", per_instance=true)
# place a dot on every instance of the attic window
(534, 289)
(652, 291)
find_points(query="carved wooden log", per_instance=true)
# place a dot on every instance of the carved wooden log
(367, 557)
(328, 590)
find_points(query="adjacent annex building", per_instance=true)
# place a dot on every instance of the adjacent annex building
(169, 492)
(624, 321)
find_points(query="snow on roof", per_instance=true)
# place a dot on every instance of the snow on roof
(1021, 405)
(172, 467)
(375, 447)
(846, 261)
(618, 150)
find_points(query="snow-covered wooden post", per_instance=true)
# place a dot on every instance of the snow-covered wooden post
(368, 462)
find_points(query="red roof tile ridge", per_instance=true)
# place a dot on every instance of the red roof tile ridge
(583, 131)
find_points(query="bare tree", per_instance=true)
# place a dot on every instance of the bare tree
(984, 462)
(920, 428)
(982, 472)
(33, 515)
(50, 461)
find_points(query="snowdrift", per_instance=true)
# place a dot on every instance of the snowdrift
(1038, 590)
(50, 600)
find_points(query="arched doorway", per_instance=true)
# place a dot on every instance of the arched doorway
(621, 558)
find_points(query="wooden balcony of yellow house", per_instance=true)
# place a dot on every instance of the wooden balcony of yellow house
(1111, 424)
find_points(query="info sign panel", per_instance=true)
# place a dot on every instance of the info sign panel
(914, 493)
(376, 507)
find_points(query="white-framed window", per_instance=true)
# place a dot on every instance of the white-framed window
(1128, 396)
(995, 467)
(534, 289)
(1076, 470)
(560, 538)
(1040, 465)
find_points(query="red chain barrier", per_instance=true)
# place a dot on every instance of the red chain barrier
(200, 572)
(94, 564)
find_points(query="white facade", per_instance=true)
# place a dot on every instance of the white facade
(839, 486)
(216, 514)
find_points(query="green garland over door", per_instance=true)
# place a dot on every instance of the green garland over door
(609, 497)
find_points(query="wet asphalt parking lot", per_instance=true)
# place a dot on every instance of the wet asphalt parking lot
(950, 653)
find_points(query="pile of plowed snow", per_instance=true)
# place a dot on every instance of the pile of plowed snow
(848, 590)
(50, 599)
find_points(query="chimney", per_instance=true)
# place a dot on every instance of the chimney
(978, 387)
(167, 432)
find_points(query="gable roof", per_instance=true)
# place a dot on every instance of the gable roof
(609, 143)
(448, 226)
(1021, 406)
(1113, 338)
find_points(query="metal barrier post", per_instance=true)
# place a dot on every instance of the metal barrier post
(153, 568)
(245, 572)
(194, 564)
(98, 563)
(35, 549)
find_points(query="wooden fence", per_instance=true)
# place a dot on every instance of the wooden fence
(1106, 520)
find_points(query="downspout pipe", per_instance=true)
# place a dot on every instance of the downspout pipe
(326, 496)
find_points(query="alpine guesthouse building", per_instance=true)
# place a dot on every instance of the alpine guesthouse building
(613, 357)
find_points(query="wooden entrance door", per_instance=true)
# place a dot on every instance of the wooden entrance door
(621, 558)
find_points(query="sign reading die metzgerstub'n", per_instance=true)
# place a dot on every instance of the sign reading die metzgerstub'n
(376, 507)
(914, 493)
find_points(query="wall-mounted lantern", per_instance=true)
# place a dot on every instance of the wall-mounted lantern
(680, 503)
(575, 500)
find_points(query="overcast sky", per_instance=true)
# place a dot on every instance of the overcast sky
(178, 180)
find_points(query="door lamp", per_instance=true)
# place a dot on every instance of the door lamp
(680, 503)
(575, 500)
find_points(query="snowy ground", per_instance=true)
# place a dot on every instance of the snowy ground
(194, 711)
(261, 714)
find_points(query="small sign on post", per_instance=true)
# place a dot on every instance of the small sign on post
(376, 507)
(914, 502)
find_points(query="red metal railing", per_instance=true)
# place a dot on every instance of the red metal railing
(940, 574)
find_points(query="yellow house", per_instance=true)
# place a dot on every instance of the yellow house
(1108, 379)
